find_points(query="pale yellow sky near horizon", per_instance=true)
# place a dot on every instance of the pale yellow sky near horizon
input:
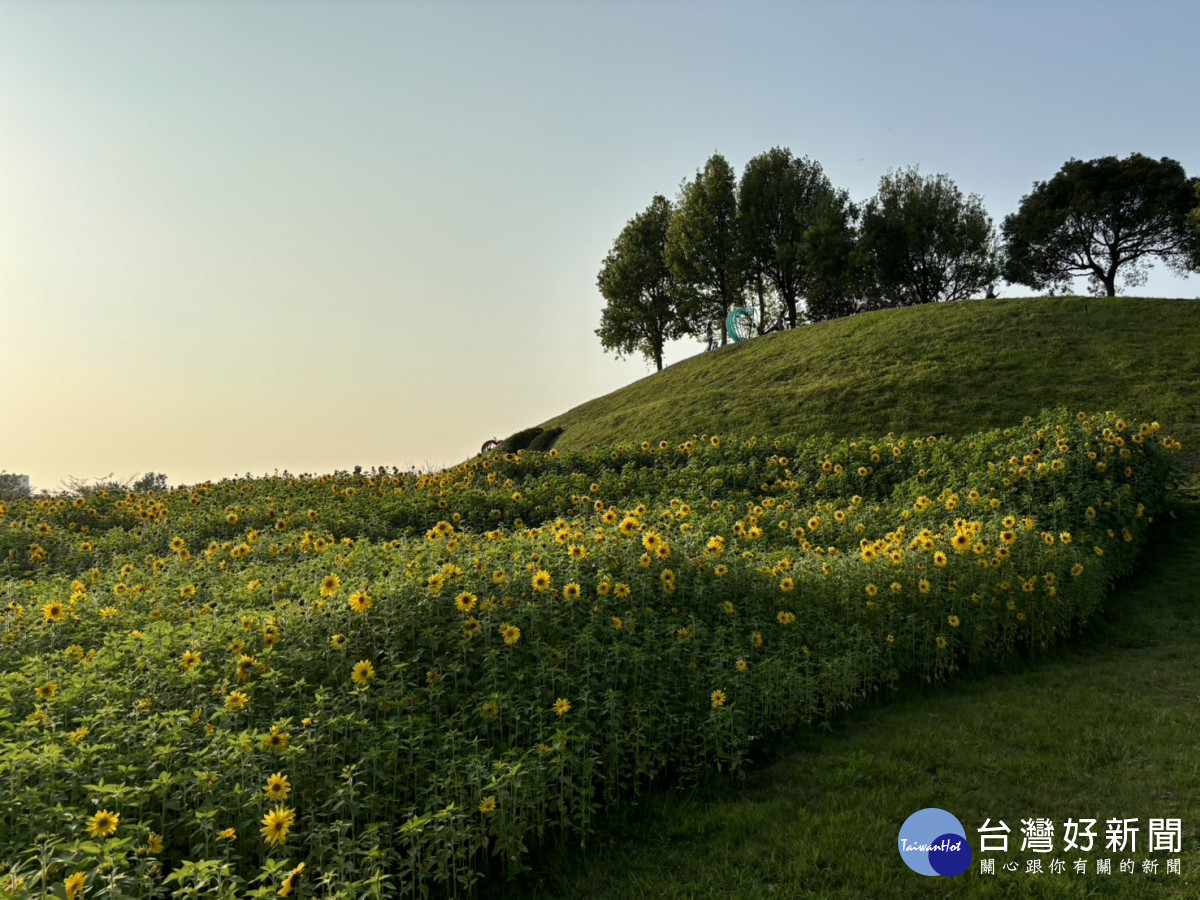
(309, 236)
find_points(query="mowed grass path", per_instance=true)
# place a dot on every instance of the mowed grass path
(1104, 728)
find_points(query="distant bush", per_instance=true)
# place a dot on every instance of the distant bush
(137, 484)
(13, 486)
(545, 440)
(519, 441)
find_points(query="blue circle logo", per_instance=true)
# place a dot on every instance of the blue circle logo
(933, 842)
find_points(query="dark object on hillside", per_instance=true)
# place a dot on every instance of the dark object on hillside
(489, 446)
(533, 439)
(520, 440)
(545, 440)
(780, 324)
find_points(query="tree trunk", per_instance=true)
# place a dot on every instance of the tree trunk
(1110, 283)
(1110, 280)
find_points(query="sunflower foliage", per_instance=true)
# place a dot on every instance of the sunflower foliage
(389, 684)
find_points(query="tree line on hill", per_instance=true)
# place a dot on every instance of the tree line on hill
(786, 243)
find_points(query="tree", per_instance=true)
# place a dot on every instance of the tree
(1102, 218)
(829, 249)
(13, 486)
(643, 297)
(924, 242)
(704, 247)
(1194, 217)
(777, 202)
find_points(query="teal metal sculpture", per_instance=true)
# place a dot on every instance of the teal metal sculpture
(739, 324)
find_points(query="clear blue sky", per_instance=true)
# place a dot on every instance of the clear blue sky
(240, 237)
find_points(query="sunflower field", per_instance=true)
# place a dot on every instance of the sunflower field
(389, 684)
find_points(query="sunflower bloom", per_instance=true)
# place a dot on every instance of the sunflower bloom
(562, 706)
(359, 602)
(289, 883)
(363, 673)
(718, 699)
(276, 741)
(278, 787)
(541, 580)
(330, 585)
(487, 805)
(73, 885)
(103, 823)
(277, 823)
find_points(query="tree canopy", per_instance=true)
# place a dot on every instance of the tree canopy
(1194, 218)
(784, 236)
(778, 201)
(642, 312)
(703, 249)
(829, 249)
(923, 241)
(1103, 218)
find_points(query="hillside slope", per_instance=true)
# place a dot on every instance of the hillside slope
(949, 368)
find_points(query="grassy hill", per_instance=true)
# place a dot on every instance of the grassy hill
(950, 369)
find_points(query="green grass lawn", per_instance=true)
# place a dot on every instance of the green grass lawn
(1104, 728)
(943, 368)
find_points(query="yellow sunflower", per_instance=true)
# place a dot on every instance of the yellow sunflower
(276, 741)
(103, 823)
(289, 883)
(278, 787)
(277, 823)
(363, 673)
